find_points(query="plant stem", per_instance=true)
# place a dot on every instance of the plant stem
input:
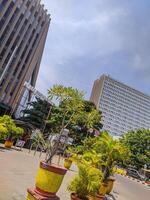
(53, 151)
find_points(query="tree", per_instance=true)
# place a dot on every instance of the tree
(36, 113)
(69, 111)
(138, 142)
(12, 130)
(68, 106)
(84, 118)
(109, 151)
(90, 118)
(113, 152)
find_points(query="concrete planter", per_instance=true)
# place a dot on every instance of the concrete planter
(48, 182)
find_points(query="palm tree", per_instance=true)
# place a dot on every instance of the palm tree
(112, 152)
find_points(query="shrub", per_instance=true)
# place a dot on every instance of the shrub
(87, 182)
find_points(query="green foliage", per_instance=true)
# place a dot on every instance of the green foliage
(3, 130)
(93, 158)
(68, 102)
(12, 130)
(110, 152)
(36, 113)
(72, 112)
(138, 142)
(96, 158)
(60, 94)
(56, 118)
(111, 148)
(89, 118)
(87, 182)
(113, 152)
(39, 141)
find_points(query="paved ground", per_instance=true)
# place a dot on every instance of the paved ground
(18, 170)
(17, 173)
(126, 189)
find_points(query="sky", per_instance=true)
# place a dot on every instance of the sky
(88, 38)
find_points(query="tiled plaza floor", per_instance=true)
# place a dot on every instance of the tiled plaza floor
(17, 173)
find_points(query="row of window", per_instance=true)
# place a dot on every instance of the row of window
(124, 104)
(13, 33)
(121, 104)
(123, 119)
(31, 38)
(127, 99)
(124, 114)
(127, 113)
(124, 126)
(124, 123)
(126, 90)
(119, 130)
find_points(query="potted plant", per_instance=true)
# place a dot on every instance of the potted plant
(86, 184)
(68, 157)
(67, 162)
(49, 175)
(67, 103)
(13, 132)
(112, 152)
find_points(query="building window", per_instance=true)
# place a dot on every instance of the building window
(28, 3)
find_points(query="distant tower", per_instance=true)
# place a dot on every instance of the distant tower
(24, 26)
(123, 108)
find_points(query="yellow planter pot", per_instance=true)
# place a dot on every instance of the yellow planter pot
(49, 179)
(30, 197)
(74, 196)
(110, 185)
(103, 189)
(8, 144)
(114, 169)
(120, 171)
(124, 172)
(67, 163)
(98, 197)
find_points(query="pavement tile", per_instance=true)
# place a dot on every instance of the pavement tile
(17, 173)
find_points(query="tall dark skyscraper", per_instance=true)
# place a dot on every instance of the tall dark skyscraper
(24, 26)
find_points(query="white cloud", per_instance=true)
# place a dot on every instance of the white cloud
(48, 76)
(84, 34)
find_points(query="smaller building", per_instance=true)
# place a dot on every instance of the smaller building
(123, 108)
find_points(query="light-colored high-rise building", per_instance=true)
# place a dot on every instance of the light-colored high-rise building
(24, 26)
(123, 108)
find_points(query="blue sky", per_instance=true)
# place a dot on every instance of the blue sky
(90, 37)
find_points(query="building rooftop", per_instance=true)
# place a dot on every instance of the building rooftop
(129, 87)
